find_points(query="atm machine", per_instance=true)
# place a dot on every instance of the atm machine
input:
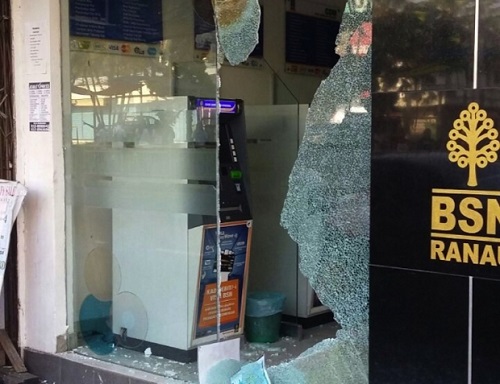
(165, 275)
(275, 132)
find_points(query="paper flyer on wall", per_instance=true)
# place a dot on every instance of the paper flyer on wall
(12, 194)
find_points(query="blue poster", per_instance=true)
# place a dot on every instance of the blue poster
(124, 20)
(234, 249)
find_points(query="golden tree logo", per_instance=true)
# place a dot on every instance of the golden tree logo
(467, 144)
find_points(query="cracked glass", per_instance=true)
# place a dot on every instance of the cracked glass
(326, 210)
(238, 26)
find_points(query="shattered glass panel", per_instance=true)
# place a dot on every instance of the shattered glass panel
(238, 25)
(327, 207)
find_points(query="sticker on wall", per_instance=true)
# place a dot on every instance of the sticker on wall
(113, 47)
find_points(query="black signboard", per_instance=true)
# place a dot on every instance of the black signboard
(124, 20)
(311, 40)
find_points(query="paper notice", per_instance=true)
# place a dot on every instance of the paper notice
(40, 106)
(36, 47)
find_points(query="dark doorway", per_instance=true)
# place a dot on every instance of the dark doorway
(7, 164)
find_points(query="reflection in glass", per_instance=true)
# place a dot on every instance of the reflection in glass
(141, 175)
(432, 46)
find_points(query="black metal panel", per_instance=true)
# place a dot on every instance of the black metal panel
(486, 332)
(418, 327)
(423, 71)
(411, 160)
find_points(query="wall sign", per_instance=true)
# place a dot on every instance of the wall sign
(436, 202)
(311, 29)
(124, 20)
(465, 222)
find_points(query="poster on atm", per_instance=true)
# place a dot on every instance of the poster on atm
(235, 240)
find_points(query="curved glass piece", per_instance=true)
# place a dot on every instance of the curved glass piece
(238, 25)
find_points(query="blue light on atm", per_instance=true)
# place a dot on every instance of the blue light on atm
(226, 106)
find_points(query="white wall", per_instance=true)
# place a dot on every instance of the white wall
(39, 156)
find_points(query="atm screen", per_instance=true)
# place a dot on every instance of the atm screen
(226, 106)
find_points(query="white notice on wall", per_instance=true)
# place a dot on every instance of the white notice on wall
(40, 106)
(12, 195)
(36, 47)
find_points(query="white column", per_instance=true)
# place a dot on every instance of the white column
(40, 166)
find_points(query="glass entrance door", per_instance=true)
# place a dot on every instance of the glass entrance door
(141, 171)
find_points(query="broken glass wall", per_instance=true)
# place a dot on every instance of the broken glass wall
(327, 207)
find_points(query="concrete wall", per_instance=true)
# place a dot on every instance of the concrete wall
(39, 156)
